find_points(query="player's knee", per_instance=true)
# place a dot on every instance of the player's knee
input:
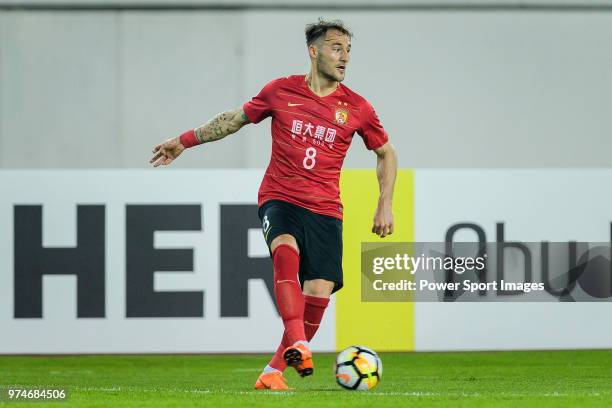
(284, 239)
(318, 288)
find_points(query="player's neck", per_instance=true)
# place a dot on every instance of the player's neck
(319, 85)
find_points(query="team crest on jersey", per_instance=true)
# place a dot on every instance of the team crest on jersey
(342, 116)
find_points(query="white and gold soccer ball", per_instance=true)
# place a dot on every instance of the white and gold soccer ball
(358, 368)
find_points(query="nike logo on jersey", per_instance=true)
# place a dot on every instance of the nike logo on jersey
(294, 104)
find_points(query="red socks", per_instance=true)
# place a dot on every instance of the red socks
(313, 313)
(289, 297)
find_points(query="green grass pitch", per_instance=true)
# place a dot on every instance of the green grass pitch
(505, 379)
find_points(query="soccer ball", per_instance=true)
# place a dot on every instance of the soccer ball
(358, 368)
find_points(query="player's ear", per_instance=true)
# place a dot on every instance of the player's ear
(313, 51)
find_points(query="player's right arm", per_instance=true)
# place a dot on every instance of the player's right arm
(223, 124)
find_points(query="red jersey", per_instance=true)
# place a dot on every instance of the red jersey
(310, 137)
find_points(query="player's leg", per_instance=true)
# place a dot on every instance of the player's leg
(291, 304)
(282, 233)
(316, 298)
(320, 270)
(289, 297)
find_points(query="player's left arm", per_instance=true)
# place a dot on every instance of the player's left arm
(386, 171)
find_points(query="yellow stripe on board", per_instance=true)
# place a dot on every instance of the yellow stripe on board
(383, 326)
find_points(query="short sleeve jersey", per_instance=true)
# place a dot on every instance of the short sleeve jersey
(310, 138)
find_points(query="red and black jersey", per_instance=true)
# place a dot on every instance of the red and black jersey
(310, 138)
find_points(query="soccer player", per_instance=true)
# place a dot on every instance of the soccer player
(314, 118)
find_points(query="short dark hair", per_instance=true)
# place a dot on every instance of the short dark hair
(314, 31)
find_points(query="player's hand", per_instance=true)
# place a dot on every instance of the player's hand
(165, 153)
(383, 220)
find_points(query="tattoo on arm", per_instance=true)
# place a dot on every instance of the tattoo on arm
(245, 118)
(221, 125)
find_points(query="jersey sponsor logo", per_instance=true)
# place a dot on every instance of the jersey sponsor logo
(321, 133)
(320, 136)
(294, 104)
(342, 115)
